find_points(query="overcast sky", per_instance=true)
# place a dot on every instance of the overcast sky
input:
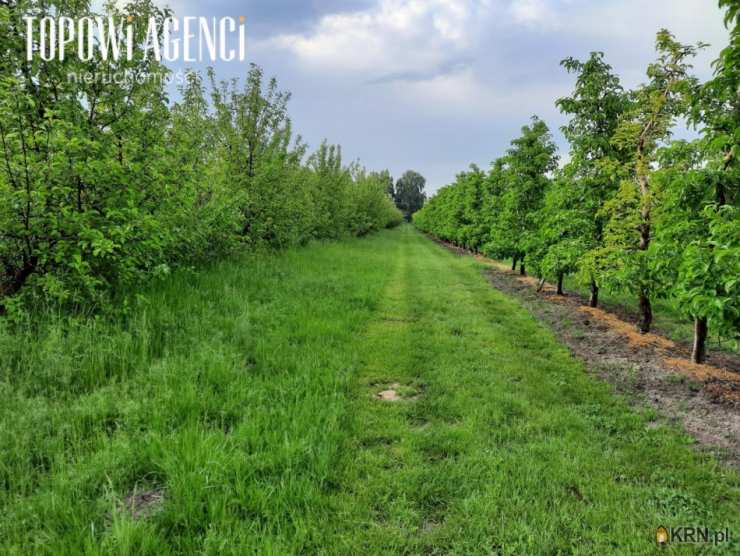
(434, 85)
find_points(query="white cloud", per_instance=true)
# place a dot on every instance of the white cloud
(457, 78)
(530, 11)
(465, 56)
(393, 36)
(467, 95)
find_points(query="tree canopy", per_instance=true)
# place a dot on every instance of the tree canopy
(409, 193)
(105, 183)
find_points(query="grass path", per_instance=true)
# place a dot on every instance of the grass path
(510, 447)
(245, 395)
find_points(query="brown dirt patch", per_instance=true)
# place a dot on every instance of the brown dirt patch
(143, 504)
(628, 330)
(397, 393)
(649, 369)
(390, 395)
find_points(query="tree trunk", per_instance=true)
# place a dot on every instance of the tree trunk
(541, 285)
(561, 276)
(513, 264)
(17, 280)
(646, 313)
(699, 353)
(250, 162)
(646, 310)
(522, 270)
(594, 299)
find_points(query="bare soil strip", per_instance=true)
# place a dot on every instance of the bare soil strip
(648, 368)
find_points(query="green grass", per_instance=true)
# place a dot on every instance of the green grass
(245, 393)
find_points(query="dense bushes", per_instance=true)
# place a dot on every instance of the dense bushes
(632, 210)
(105, 183)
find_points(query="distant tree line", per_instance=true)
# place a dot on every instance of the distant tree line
(408, 193)
(632, 210)
(104, 184)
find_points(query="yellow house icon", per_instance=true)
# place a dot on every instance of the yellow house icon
(661, 535)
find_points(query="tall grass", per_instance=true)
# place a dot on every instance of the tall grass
(225, 389)
(241, 399)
